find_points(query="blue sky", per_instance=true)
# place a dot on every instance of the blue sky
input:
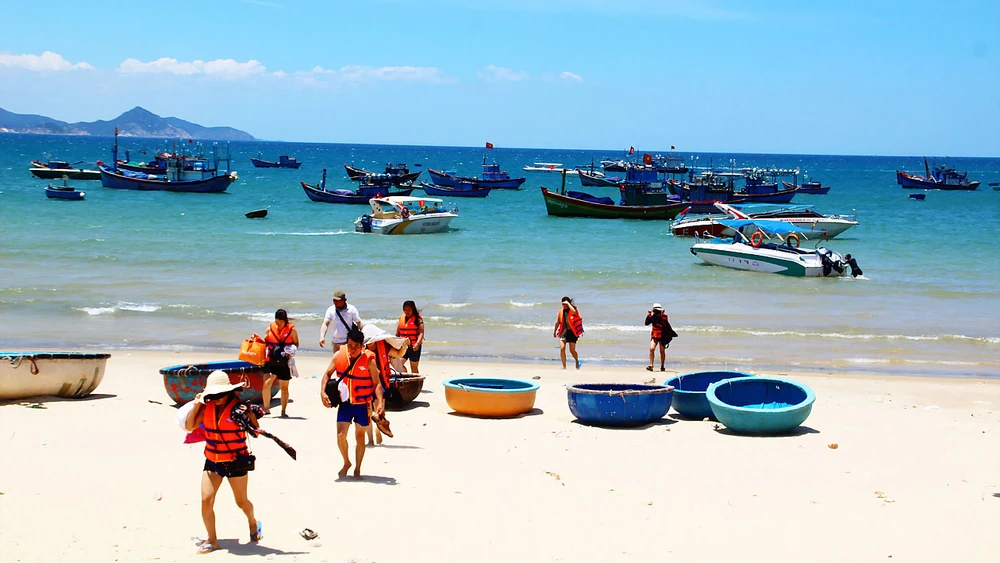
(817, 77)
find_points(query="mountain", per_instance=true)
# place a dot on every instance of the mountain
(136, 122)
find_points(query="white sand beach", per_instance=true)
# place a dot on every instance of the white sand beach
(915, 476)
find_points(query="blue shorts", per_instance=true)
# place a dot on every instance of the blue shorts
(349, 412)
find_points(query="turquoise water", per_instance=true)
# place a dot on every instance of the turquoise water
(183, 271)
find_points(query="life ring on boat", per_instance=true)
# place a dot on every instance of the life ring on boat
(756, 239)
(404, 212)
(790, 238)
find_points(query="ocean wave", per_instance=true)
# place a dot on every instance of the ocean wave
(120, 306)
(838, 335)
(319, 234)
(454, 305)
(518, 304)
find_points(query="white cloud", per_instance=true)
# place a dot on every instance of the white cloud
(356, 73)
(569, 76)
(279, 74)
(46, 61)
(493, 73)
(226, 68)
(320, 70)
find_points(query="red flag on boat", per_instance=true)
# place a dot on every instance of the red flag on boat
(489, 145)
(647, 158)
(631, 150)
(190, 140)
(672, 147)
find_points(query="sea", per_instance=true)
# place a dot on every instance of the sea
(127, 270)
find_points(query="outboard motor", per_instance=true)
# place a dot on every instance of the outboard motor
(824, 258)
(855, 269)
(366, 223)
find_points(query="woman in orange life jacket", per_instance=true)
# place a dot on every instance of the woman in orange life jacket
(660, 335)
(226, 452)
(569, 327)
(356, 366)
(411, 327)
(280, 333)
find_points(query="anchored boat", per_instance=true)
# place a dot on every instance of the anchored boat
(282, 162)
(397, 215)
(182, 174)
(940, 178)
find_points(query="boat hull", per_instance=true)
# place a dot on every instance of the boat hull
(451, 181)
(317, 194)
(559, 205)
(72, 195)
(183, 382)
(740, 256)
(431, 189)
(31, 374)
(489, 397)
(809, 188)
(415, 225)
(709, 228)
(760, 406)
(912, 182)
(593, 180)
(618, 404)
(257, 163)
(71, 173)
(216, 184)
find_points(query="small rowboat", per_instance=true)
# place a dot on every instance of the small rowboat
(760, 405)
(64, 192)
(257, 214)
(60, 374)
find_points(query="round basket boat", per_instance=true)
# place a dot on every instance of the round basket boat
(490, 397)
(618, 404)
(185, 381)
(403, 389)
(689, 392)
(60, 374)
(760, 405)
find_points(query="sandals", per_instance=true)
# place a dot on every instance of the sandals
(308, 534)
(259, 534)
(649, 368)
(383, 425)
(205, 547)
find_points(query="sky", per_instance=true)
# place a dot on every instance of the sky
(871, 77)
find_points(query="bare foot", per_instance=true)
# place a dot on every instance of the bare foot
(357, 474)
(378, 439)
(343, 470)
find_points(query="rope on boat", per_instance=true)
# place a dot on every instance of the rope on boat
(15, 362)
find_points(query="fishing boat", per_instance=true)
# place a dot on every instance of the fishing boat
(64, 192)
(614, 165)
(643, 197)
(492, 177)
(55, 169)
(197, 176)
(397, 215)
(461, 189)
(940, 178)
(363, 194)
(394, 174)
(597, 179)
(162, 161)
(827, 226)
(759, 253)
(760, 187)
(549, 167)
(282, 162)
(60, 374)
(670, 164)
(812, 188)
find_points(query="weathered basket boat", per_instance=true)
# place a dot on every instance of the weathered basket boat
(618, 404)
(760, 405)
(183, 382)
(490, 397)
(689, 392)
(403, 389)
(62, 374)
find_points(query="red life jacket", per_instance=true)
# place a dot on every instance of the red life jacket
(575, 322)
(382, 362)
(224, 439)
(278, 338)
(408, 328)
(359, 380)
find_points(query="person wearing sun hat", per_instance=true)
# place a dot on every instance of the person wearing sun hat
(342, 316)
(660, 335)
(226, 453)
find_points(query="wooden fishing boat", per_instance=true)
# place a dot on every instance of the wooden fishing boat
(461, 189)
(282, 162)
(182, 174)
(813, 188)
(396, 174)
(64, 192)
(597, 179)
(364, 193)
(940, 178)
(760, 405)
(490, 397)
(55, 169)
(618, 404)
(60, 374)
(579, 204)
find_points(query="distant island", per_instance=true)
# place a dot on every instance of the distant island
(136, 122)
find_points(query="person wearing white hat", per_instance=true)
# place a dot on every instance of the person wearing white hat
(660, 335)
(226, 452)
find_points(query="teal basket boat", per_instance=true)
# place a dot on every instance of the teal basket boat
(689, 392)
(760, 405)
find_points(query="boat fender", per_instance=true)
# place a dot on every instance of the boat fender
(756, 239)
(790, 238)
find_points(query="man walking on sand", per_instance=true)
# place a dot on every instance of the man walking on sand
(356, 368)
(342, 316)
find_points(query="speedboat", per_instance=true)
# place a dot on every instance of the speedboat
(771, 247)
(825, 226)
(549, 167)
(54, 169)
(399, 215)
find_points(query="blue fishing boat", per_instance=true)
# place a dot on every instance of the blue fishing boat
(394, 174)
(282, 162)
(182, 174)
(492, 177)
(365, 192)
(461, 189)
(64, 192)
(759, 187)
(940, 178)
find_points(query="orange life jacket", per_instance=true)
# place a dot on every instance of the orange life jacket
(223, 438)
(278, 338)
(382, 362)
(359, 380)
(575, 322)
(408, 328)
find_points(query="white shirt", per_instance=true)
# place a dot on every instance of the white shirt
(337, 333)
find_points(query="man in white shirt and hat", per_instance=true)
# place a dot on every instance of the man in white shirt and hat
(341, 316)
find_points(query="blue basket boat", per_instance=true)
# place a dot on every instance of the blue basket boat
(760, 405)
(689, 392)
(618, 404)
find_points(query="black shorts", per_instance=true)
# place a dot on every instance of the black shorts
(662, 341)
(413, 355)
(281, 371)
(568, 336)
(226, 468)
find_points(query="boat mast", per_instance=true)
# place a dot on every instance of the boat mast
(114, 153)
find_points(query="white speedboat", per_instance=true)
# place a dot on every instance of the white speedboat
(59, 374)
(771, 247)
(556, 167)
(818, 225)
(404, 215)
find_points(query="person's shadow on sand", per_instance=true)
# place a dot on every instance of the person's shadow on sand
(376, 479)
(253, 549)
